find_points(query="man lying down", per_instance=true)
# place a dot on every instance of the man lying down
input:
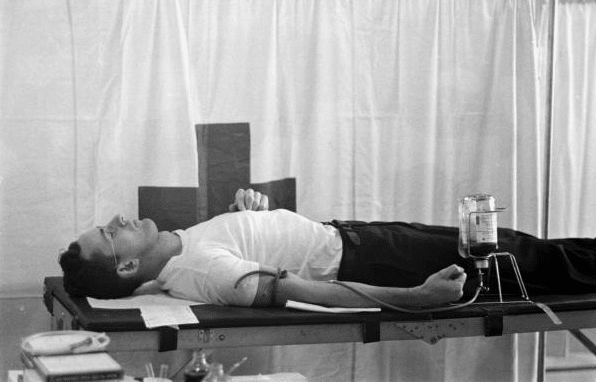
(255, 257)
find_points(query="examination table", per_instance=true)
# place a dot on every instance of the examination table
(235, 326)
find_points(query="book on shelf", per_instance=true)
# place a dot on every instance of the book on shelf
(81, 367)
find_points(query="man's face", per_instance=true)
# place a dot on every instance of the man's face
(129, 239)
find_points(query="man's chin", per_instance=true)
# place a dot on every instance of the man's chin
(148, 225)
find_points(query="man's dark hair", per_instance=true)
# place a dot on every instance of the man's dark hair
(96, 277)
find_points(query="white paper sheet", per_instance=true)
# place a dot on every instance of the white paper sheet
(137, 302)
(167, 315)
(156, 309)
(324, 309)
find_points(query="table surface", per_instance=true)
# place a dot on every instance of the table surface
(212, 316)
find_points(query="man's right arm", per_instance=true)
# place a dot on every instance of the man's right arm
(442, 287)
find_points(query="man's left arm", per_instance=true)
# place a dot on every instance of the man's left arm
(441, 287)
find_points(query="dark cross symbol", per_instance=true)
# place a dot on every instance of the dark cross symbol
(224, 167)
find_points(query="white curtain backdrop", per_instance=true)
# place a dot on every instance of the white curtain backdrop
(382, 110)
(573, 184)
(573, 157)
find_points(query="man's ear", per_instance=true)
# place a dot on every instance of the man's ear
(128, 268)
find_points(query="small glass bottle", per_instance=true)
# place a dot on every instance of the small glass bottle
(198, 368)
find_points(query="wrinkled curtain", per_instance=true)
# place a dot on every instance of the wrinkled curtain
(382, 110)
(94, 102)
(399, 109)
(573, 183)
(386, 110)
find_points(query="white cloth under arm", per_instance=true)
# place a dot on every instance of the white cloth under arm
(218, 252)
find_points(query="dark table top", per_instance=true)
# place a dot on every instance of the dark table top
(213, 316)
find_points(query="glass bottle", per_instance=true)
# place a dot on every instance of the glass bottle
(198, 368)
(477, 228)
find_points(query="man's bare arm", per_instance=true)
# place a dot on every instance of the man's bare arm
(442, 287)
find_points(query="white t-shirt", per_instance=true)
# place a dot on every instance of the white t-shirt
(218, 252)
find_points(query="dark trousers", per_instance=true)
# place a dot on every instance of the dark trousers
(404, 255)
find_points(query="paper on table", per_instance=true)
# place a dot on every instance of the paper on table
(137, 302)
(167, 315)
(324, 309)
(156, 309)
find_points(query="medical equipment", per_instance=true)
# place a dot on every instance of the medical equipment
(216, 374)
(477, 228)
(478, 239)
(150, 371)
(236, 365)
(64, 342)
(163, 373)
(279, 274)
(163, 370)
(198, 368)
(69, 356)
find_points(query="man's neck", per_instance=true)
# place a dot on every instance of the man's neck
(168, 246)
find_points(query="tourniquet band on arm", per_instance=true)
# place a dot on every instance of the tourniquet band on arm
(279, 274)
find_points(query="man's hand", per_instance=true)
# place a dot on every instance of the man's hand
(249, 200)
(442, 287)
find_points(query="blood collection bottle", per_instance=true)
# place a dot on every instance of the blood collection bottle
(198, 368)
(477, 228)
